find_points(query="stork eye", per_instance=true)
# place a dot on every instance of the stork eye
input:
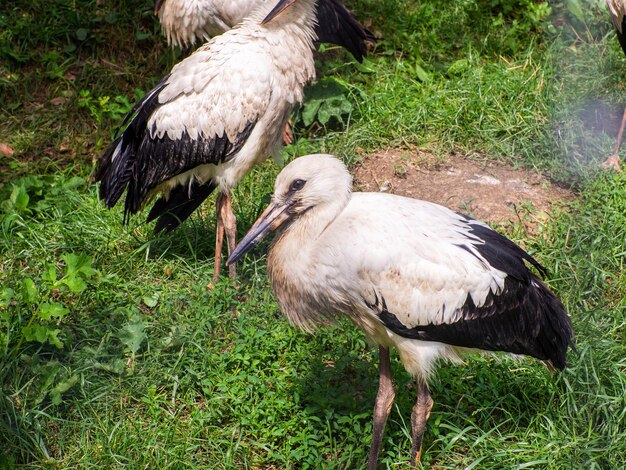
(296, 185)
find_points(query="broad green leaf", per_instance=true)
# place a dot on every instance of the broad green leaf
(151, 300)
(335, 107)
(42, 334)
(29, 291)
(54, 310)
(50, 274)
(132, 334)
(37, 333)
(325, 100)
(53, 338)
(309, 111)
(77, 269)
(62, 387)
(80, 263)
(6, 295)
(75, 284)
(19, 198)
(422, 75)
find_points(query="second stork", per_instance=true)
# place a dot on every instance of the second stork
(212, 118)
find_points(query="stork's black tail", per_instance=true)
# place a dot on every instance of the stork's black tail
(337, 25)
(522, 317)
(114, 169)
(182, 201)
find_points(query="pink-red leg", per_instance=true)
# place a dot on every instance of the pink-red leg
(419, 418)
(287, 134)
(219, 237)
(230, 227)
(382, 408)
(226, 222)
(614, 161)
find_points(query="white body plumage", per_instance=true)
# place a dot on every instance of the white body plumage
(251, 74)
(415, 264)
(399, 266)
(184, 22)
(417, 256)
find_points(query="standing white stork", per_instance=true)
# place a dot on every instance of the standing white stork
(410, 273)
(617, 10)
(212, 118)
(186, 21)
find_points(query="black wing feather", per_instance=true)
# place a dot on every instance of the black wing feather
(500, 252)
(524, 318)
(158, 160)
(622, 36)
(138, 163)
(180, 204)
(337, 25)
(114, 169)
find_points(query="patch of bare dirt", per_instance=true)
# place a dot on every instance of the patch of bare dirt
(488, 190)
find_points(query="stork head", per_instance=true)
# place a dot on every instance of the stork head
(309, 183)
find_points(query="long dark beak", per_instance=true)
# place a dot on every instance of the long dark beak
(280, 6)
(157, 5)
(271, 219)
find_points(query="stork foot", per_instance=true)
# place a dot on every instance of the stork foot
(613, 162)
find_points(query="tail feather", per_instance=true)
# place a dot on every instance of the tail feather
(337, 25)
(180, 204)
(115, 168)
(525, 318)
(555, 332)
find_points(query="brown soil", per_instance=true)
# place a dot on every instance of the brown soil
(486, 190)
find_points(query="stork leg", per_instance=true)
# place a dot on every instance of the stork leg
(230, 226)
(287, 134)
(226, 222)
(613, 161)
(382, 408)
(419, 418)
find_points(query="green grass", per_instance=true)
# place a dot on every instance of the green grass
(118, 350)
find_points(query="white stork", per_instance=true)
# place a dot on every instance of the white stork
(212, 118)
(186, 21)
(410, 273)
(617, 10)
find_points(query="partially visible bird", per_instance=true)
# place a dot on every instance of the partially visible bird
(212, 118)
(411, 274)
(184, 22)
(617, 10)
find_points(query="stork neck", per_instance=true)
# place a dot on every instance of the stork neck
(298, 19)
